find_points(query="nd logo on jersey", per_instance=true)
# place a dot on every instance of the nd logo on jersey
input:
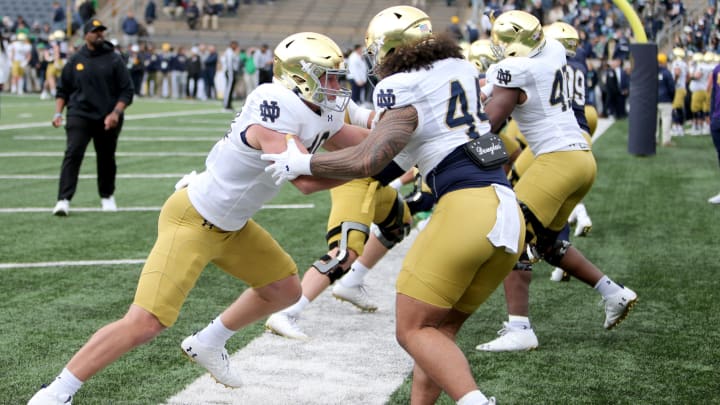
(503, 76)
(269, 110)
(385, 100)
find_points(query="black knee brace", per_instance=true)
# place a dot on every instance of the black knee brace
(332, 266)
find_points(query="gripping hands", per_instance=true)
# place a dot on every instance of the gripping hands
(288, 165)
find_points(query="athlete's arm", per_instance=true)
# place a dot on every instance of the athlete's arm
(270, 141)
(390, 135)
(501, 105)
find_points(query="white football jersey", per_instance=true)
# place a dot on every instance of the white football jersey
(681, 78)
(20, 51)
(546, 118)
(234, 185)
(705, 70)
(446, 98)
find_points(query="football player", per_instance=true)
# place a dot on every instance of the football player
(679, 69)
(427, 105)
(367, 218)
(210, 220)
(530, 82)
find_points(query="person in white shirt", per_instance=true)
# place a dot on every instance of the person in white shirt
(358, 75)
(230, 63)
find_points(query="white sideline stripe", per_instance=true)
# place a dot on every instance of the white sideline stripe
(70, 263)
(90, 176)
(143, 209)
(126, 138)
(129, 117)
(602, 126)
(352, 358)
(124, 154)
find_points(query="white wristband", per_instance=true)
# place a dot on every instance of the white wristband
(358, 115)
(396, 184)
(302, 164)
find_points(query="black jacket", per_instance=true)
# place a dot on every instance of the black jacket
(92, 82)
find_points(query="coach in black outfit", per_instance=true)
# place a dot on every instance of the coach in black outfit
(95, 86)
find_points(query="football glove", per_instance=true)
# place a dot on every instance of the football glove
(288, 165)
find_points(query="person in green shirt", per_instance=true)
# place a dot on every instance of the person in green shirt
(250, 74)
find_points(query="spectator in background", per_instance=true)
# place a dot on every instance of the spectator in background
(58, 16)
(150, 16)
(136, 67)
(264, 63)
(96, 97)
(152, 67)
(454, 28)
(194, 70)
(358, 75)
(192, 14)
(209, 61)
(210, 16)
(4, 64)
(86, 11)
(130, 29)
(178, 73)
(666, 93)
(231, 69)
(617, 83)
(173, 9)
(250, 76)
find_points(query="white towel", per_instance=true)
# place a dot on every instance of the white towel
(185, 181)
(506, 232)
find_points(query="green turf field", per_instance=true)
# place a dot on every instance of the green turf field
(652, 230)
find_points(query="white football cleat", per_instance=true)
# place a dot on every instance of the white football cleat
(285, 325)
(62, 208)
(617, 306)
(47, 397)
(215, 360)
(511, 340)
(559, 275)
(108, 204)
(714, 199)
(583, 225)
(357, 296)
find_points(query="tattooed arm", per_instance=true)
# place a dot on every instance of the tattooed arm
(390, 135)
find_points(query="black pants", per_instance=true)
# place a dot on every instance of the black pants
(79, 132)
(230, 79)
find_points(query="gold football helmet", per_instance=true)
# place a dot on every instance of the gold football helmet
(306, 62)
(679, 53)
(482, 54)
(709, 57)
(517, 33)
(566, 34)
(697, 57)
(392, 27)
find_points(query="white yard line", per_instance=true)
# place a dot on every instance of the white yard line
(92, 154)
(91, 176)
(71, 263)
(136, 209)
(352, 358)
(129, 117)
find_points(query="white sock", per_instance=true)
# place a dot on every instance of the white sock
(473, 398)
(580, 210)
(295, 309)
(65, 383)
(355, 276)
(607, 287)
(519, 322)
(215, 334)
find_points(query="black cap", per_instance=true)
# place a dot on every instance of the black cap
(93, 25)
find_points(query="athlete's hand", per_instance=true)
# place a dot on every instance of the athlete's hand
(289, 164)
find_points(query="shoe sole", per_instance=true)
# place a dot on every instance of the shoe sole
(191, 360)
(624, 315)
(584, 231)
(274, 332)
(360, 307)
(506, 351)
(60, 213)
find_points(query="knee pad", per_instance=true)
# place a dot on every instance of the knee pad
(555, 254)
(332, 266)
(524, 263)
(392, 230)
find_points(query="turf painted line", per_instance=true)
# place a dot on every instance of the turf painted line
(602, 125)
(71, 263)
(130, 117)
(61, 138)
(91, 176)
(352, 357)
(92, 154)
(142, 209)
